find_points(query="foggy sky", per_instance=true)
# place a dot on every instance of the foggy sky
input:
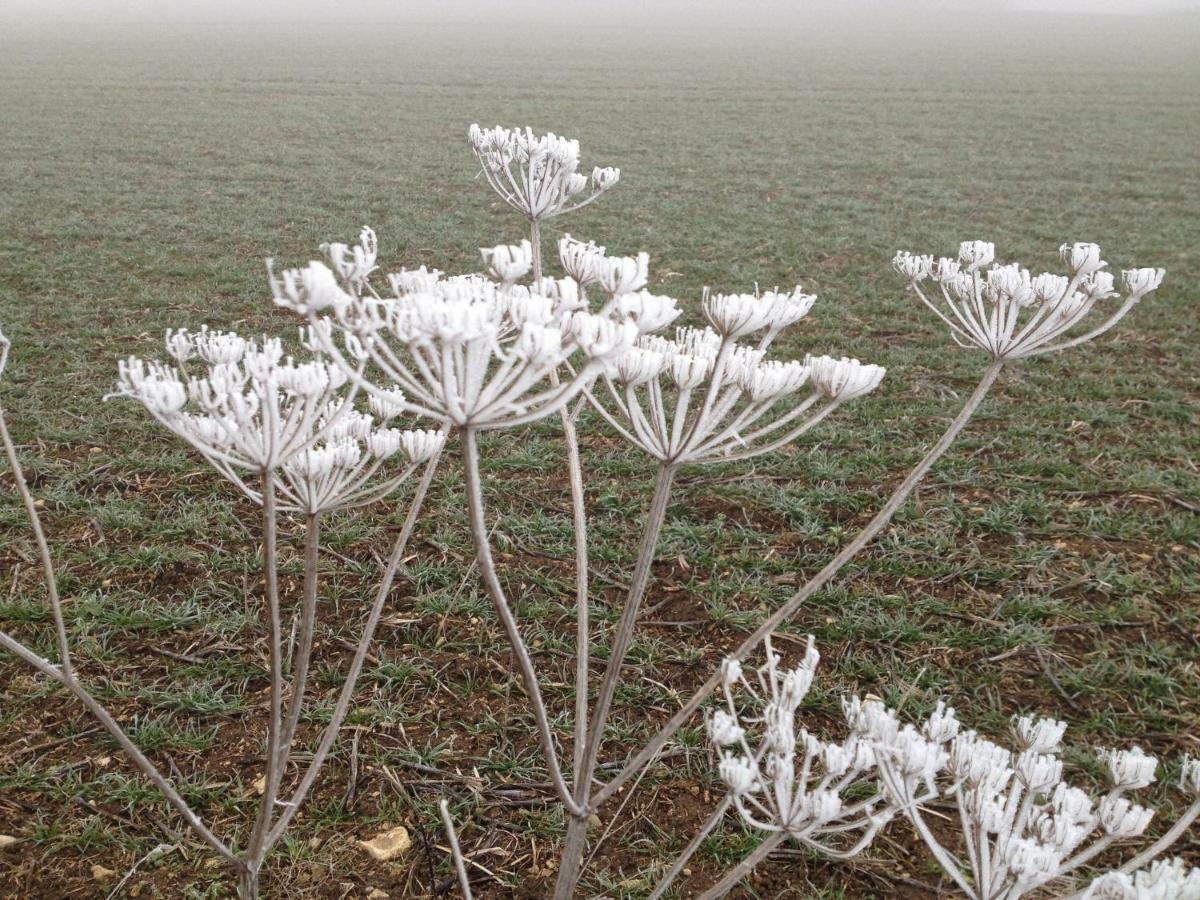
(589, 13)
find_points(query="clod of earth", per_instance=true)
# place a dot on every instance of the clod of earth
(389, 844)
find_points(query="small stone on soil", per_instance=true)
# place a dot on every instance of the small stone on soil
(389, 844)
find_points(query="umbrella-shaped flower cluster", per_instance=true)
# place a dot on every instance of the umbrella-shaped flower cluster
(463, 349)
(784, 780)
(1009, 313)
(251, 410)
(703, 396)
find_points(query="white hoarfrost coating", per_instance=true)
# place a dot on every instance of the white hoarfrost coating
(1009, 313)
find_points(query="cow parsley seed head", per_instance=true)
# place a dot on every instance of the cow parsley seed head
(974, 255)
(537, 175)
(1011, 314)
(1081, 258)
(1161, 880)
(1122, 818)
(1129, 769)
(251, 410)
(465, 349)
(1038, 735)
(701, 396)
(421, 444)
(508, 263)
(723, 729)
(650, 312)
(843, 379)
(354, 265)
(1142, 281)
(622, 274)
(311, 290)
(580, 260)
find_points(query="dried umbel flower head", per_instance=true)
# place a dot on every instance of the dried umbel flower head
(356, 461)
(537, 175)
(251, 410)
(1009, 313)
(462, 349)
(508, 263)
(581, 261)
(783, 779)
(704, 397)
(354, 265)
(1161, 880)
(1023, 826)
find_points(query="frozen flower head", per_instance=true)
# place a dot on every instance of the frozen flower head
(356, 462)
(251, 410)
(1009, 313)
(1129, 769)
(843, 379)
(622, 274)
(1038, 735)
(508, 263)
(650, 312)
(313, 290)
(1161, 880)
(1023, 825)
(703, 397)
(354, 265)
(739, 315)
(782, 778)
(537, 175)
(246, 404)
(581, 261)
(464, 349)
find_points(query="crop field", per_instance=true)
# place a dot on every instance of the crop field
(1051, 562)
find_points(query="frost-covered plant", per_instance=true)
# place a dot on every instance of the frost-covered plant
(537, 175)
(287, 434)
(251, 411)
(1010, 314)
(1161, 880)
(785, 781)
(1022, 826)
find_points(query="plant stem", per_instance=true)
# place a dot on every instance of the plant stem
(535, 240)
(744, 868)
(64, 674)
(329, 735)
(818, 581)
(569, 868)
(39, 536)
(275, 748)
(487, 568)
(464, 882)
(579, 521)
(308, 617)
(248, 885)
(705, 830)
(582, 627)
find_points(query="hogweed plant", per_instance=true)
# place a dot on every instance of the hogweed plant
(318, 431)
(287, 435)
(1022, 827)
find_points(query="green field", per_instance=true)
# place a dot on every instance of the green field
(1051, 562)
